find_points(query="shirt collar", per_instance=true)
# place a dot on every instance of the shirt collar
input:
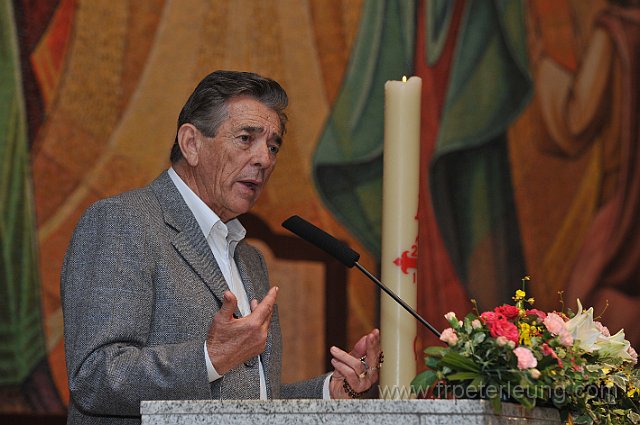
(204, 215)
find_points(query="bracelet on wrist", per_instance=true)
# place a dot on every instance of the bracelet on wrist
(352, 393)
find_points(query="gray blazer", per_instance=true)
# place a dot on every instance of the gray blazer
(140, 287)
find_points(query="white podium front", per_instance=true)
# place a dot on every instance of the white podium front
(343, 412)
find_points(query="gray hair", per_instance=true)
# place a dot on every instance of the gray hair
(206, 108)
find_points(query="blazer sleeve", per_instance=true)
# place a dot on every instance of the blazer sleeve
(108, 301)
(311, 388)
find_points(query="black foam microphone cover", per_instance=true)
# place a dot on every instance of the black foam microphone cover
(322, 240)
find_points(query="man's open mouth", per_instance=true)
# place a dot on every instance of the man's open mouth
(253, 185)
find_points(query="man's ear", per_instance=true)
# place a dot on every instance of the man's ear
(189, 143)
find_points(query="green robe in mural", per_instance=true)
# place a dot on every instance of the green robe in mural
(347, 165)
(21, 338)
(470, 178)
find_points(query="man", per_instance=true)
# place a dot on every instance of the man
(163, 299)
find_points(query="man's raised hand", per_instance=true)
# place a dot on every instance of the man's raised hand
(232, 341)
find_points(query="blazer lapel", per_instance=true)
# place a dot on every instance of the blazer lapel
(249, 275)
(188, 240)
(246, 273)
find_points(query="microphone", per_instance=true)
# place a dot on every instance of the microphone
(346, 256)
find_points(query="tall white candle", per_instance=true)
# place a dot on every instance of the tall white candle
(400, 230)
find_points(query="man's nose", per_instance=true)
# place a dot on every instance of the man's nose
(262, 156)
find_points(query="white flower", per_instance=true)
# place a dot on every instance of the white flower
(583, 330)
(615, 347)
(588, 335)
(450, 316)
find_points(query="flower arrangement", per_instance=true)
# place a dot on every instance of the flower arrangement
(520, 354)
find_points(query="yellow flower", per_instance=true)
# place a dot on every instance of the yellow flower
(520, 294)
(632, 391)
(525, 334)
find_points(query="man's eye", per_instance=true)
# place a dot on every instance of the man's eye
(244, 138)
(274, 149)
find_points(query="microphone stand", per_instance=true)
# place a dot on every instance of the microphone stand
(397, 299)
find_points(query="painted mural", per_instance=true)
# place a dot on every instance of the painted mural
(528, 160)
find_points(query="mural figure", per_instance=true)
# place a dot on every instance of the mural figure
(594, 111)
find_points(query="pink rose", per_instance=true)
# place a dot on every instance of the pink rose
(449, 336)
(526, 360)
(504, 328)
(565, 338)
(555, 324)
(633, 354)
(476, 324)
(602, 328)
(534, 311)
(509, 311)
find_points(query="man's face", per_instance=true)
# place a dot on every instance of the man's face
(235, 164)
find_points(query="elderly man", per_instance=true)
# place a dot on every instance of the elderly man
(163, 299)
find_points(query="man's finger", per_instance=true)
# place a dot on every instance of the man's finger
(263, 310)
(346, 358)
(360, 349)
(373, 349)
(229, 305)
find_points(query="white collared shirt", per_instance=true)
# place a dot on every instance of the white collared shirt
(222, 239)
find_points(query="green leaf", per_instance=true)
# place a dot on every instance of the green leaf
(525, 401)
(496, 404)
(435, 351)
(432, 362)
(423, 380)
(458, 362)
(462, 376)
(479, 337)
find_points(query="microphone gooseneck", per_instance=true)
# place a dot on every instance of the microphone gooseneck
(346, 256)
(322, 240)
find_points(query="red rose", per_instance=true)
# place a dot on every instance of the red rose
(489, 317)
(504, 328)
(509, 311)
(535, 311)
